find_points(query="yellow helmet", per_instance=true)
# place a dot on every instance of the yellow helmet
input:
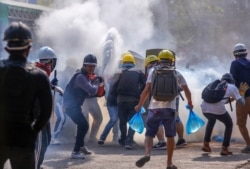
(166, 55)
(150, 58)
(128, 58)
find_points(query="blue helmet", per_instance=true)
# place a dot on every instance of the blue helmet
(47, 55)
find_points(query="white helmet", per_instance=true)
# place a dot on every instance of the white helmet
(239, 49)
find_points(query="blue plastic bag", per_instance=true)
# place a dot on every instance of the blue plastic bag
(136, 122)
(194, 122)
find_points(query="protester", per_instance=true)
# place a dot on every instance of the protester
(82, 85)
(217, 111)
(161, 111)
(47, 62)
(113, 113)
(128, 89)
(22, 87)
(240, 69)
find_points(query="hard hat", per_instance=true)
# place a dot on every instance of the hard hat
(239, 49)
(90, 59)
(166, 55)
(228, 78)
(18, 36)
(47, 55)
(128, 58)
(150, 59)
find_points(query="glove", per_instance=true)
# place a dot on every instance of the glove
(243, 88)
(59, 90)
(54, 82)
(97, 80)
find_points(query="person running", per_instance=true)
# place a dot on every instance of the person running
(150, 62)
(82, 85)
(240, 69)
(47, 62)
(160, 111)
(217, 111)
(22, 87)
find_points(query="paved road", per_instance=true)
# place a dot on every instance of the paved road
(113, 156)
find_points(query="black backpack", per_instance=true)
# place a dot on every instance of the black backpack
(164, 85)
(214, 92)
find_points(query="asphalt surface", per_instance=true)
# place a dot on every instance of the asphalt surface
(114, 156)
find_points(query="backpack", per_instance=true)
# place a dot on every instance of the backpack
(214, 91)
(164, 84)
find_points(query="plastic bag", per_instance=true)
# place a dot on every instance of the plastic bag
(136, 122)
(194, 122)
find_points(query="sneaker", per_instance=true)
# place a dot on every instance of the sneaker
(246, 150)
(55, 141)
(121, 142)
(128, 147)
(100, 142)
(142, 161)
(77, 155)
(85, 150)
(160, 146)
(181, 143)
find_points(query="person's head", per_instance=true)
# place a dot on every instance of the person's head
(128, 60)
(151, 61)
(228, 78)
(166, 57)
(47, 56)
(89, 63)
(18, 38)
(240, 50)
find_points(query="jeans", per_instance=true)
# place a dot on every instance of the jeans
(113, 114)
(82, 125)
(126, 111)
(60, 119)
(20, 158)
(42, 143)
(226, 120)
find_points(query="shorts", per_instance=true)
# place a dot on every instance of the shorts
(242, 111)
(156, 116)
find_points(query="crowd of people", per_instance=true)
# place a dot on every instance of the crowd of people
(29, 101)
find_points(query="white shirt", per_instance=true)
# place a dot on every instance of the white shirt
(219, 108)
(160, 104)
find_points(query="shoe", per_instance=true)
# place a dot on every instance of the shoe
(172, 167)
(181, 143)
(160, 146)
(142, 161)
(121, 142)
(206, 147)
(246, 149)
(100, 142)
(128, 147)
(226, 153)
(54, 141)
(77, 155)
(85, 150)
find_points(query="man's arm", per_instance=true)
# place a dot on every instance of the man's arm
(188, 95)
(144, 96)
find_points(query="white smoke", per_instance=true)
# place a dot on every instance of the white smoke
(75, 28)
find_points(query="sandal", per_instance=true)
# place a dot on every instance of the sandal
(172, 167)
(206, 149)
(225, 151)
(142, 161)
